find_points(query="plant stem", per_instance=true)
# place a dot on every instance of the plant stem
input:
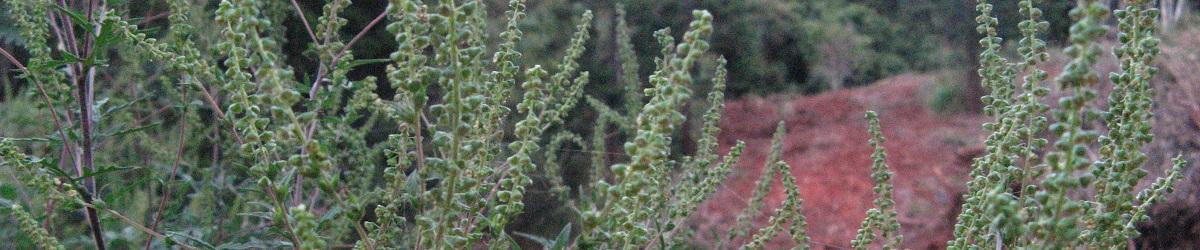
(85, 112)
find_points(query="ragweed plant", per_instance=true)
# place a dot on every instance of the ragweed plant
(196, 132)
(647, 175)
(294, 154)
(1040, 211)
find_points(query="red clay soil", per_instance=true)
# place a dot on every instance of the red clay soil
(826, 145)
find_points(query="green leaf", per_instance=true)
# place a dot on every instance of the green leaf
(72, 58)
(195, 241)
(541, 241)
(108, 33)
(261, 215)
(412, 185)
(68, 58)
(329, 216)
(360, 62)
(120, 107)
(35, 139)
(103, 170)
(76, 17)
(52, 167)
(128, 131)
(100, 103)
(512, 244)
(149, 30)
(564, 237)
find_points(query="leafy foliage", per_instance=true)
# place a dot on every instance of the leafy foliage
(159, 140)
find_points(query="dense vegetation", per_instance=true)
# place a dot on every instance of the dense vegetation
(203, 134)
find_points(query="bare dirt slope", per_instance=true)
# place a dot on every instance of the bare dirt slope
(826, 145)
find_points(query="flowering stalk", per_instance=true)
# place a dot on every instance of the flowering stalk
(791, 210)
(883, 216)
(761, 188)
(30, 226)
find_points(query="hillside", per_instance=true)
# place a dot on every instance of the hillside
(826, 145)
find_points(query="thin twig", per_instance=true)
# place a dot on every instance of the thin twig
(304, 20)
(140, 227)
(162, 201)
(361, 34)
(149, 19)
(13, 59)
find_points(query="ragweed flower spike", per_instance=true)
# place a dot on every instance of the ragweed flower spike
(743, 223)
(697, 170)
(791, 210)
(649, 149)
(1129, 119)
(629, 65)
(883, 216)
(34, 230)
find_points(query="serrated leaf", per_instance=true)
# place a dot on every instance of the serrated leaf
(128, 131)
(101, 171)
(52, 167)
(329, 216)
(195, 241)
(120, 107)
(108, 33)
(68, 58)
(361, 62)
(563, 238)
(76, 17)
(412, 185)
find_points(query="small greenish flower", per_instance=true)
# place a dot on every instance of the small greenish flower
(33, 230)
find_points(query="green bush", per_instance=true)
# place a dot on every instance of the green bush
(201, 135)
(946, 95)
